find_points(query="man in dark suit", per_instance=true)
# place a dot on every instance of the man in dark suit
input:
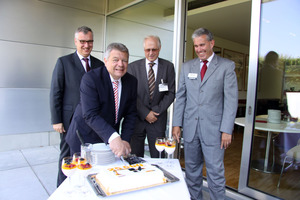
(152, 105)
(64, 92)
(205, 108)
(107, 96)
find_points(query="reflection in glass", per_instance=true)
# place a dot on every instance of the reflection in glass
(278, 74)
(271, 74)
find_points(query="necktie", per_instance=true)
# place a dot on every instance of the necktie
(116, 95)
(87, 66)
(203, 69)
(151, 80)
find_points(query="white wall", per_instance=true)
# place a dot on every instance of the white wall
(131, 25)
(34, 33)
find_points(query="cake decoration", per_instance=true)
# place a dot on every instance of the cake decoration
(121, 179)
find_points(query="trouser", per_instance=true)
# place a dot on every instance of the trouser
(64, 152)
(137, 142)
(195, 153)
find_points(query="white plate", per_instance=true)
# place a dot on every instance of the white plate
(103, 154)
(101, 147)
(100, 160)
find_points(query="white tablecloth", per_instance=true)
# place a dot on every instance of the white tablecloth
(176, 190)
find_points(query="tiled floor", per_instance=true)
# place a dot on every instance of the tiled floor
(28, 174)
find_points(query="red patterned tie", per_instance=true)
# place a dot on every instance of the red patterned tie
(116, 95)
(203, 69)
(151, 80)
(87, 66)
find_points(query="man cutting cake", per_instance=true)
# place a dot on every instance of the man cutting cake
(107, 96)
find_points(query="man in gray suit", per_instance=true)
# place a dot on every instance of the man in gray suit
(64, 92)
(206, 110)
(154, 100)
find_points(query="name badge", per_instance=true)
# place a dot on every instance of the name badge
(163, 87)
(192, 75)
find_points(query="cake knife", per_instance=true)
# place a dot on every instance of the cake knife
(123, 161)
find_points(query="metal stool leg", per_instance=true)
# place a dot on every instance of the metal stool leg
(281, 171)
(273, 163)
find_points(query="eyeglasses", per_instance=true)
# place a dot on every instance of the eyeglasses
(148, 50)
(86, 41)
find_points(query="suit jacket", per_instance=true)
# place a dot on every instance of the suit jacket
(64, 92)
(161, 100)
(94, 116)
(212, 102)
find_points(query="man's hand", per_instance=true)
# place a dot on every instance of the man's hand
(152, 117)
(127, 147)
(120, 147)
(176, 133)
(59, 128)
(226, 140)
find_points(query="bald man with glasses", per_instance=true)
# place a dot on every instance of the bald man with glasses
(156, 92)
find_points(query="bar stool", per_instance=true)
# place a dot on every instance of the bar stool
(294, 154)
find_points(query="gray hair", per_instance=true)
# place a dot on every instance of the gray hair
(203, 31)
(155, 38)
(115, 46)
(83, 29)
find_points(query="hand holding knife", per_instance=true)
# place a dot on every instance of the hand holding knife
(123, 161)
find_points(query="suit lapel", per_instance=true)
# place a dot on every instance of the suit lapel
(210, 70)
(78, 64)
(144, 78)
(110, 90)
(124, 94)
(159, 76)
(92, 62)
(196, 69)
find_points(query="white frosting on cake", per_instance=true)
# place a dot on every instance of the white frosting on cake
(127, 178)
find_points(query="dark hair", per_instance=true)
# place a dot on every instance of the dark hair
(271, 57)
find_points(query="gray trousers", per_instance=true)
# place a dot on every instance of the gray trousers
(195, 153)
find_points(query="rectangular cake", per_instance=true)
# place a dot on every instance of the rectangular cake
(121, 179)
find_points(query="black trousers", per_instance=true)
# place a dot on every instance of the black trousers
(64, 152)
(137, 142)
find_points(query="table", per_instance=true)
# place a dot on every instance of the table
(262, 124)
(176, 190)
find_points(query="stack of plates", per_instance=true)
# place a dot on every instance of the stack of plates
(102, 154)
(274, 116)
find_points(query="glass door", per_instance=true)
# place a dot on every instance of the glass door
(270, 157)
